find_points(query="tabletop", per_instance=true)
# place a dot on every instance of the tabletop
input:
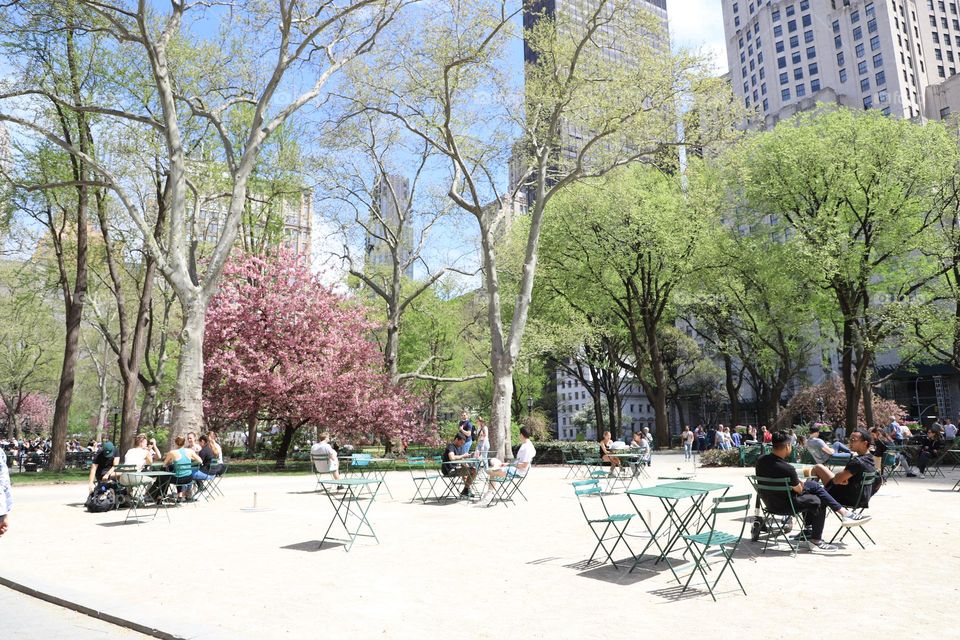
(150, 474)
(697, 486)
(666, 491)
(350, 481)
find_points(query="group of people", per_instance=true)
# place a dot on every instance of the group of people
(821, 489)
(929, 446)
(703, 438)
(460, 448)
(204, 450)
(639, 446)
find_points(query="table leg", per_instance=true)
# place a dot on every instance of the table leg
(347, 506)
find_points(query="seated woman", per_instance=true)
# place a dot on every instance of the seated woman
(139, 455)
(178, 460)
(930, 447)
(606, 446)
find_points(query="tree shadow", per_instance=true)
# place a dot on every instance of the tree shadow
(312, 546)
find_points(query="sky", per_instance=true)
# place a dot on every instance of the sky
(698, 24)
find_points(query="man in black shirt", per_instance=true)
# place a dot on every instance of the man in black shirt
(845, 486)
(462, 470)
(809, 498)
(103, 463)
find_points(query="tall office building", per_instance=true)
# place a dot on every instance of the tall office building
(392, 202)
(270, 221)
(787, 55)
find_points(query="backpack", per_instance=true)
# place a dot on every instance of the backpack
(102, 498)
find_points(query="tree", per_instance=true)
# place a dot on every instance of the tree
(177, 86)
(860, 193)
(632, 239)
(805, 406)
(284, 347)
(580, 116)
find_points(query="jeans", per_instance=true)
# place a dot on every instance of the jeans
(815, 488)
(465, 448)
(841, 448)
(813, 511)
(687, 450)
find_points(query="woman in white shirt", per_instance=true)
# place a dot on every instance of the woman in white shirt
(139, 456)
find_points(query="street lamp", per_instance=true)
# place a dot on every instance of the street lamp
(529, 405)
(820, 408)
(116, 422)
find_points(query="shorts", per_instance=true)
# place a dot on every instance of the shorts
(462, 471)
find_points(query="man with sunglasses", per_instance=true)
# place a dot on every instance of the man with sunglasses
(845, 485)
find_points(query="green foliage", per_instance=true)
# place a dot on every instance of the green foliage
(720, 458)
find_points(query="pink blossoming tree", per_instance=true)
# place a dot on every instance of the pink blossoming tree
(281, 346)
(31, 413)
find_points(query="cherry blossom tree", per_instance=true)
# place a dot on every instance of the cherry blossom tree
(281, 346)
(33, 413)
(805, 405)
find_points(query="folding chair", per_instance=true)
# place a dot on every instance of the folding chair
(321, 469)
(777, 522)
(424, 480)
(590, 490)
(571, 461)
(890, 466)
(935, 466)
(505, 487)
(862, 502)
(725, 543)
(213, 484)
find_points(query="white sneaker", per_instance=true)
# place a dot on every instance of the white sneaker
(820, 547)
(854, 519)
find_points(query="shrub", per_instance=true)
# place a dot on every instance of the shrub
(720, 458)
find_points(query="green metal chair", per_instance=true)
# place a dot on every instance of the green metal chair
(572, 462)
(183, 476)
(590, 490)
(424, 480)
(699, 544)
(777, 521)
(321, 469)
(862, 502)
(506, 487)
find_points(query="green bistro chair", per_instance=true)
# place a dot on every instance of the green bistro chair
(777, 521)
(321, 469)
(590, 491)
(424, 480)
(863, 502)
(725, 544)
(183, 476)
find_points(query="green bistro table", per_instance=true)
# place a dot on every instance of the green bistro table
(457, 483)
(618, 476)
(348, 507)
(377, 470)
(138, 492)
(670, 495)
(700, 486)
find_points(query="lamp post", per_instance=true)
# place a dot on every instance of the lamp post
(820, 408)
(116, 422)
(529, 404)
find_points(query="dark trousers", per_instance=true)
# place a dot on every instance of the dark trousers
(923, 459)
(813, 511)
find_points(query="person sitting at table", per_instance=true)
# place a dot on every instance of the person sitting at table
(606, 447)
(103, 463)
(930, 446)
(820, 451)
(521, 464)
(810, 499)
(139, 455)
(640, 443)
(192, 442)
(458, 470)
(325, 458)
(215, 447)
(208, 459)
(184, 475)
(845, 486)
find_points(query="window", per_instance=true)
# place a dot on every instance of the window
(843, 75)
(790, 11)
(836, 26)
(781, 63)
(808, 36)
(813, 68)
(805, 20)
(794, 42)
(944, 113)
(811, 53)
(791, 25)
(795, 58)
(858, 34)
(859, 50)
(872, 25)
(775, 15)
(763, 73)
(763, 88)
(785, 94)
(861, 67)
(805, 4)
(949, 55)
(874, 43)
(865, 85)
(855, 17)
(870, 11)
(885, 111)
(878, 60)
(798, 74)
(940, 71)
(840, 59)
(837, 42)
(766, 104)
(868, 102)
(801, 91)
(814, 85)
(777, 31)
(882, 96)
(784, 78)
(779, 46)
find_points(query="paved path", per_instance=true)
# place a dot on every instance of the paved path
(25, 617)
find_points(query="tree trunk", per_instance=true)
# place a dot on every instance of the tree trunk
(868, 404)
(733, 390)
(500, 445)
(662, 420)
(188, 402)
(128, 410)
(148, 408)
(252, 434)
(68, 372)
(288, 433)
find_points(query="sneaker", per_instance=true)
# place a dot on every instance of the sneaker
(922, 476)
(911, 475)
(854, 519)
(820, 547)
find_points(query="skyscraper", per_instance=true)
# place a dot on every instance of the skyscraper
(390, 224)
(787, 55)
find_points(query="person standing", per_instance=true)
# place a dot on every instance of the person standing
(467, 430)
(483, 440)
(687, 439)
(6, 494)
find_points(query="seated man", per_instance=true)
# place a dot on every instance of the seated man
(521, 464)
(458, 470)
(845, 486)
(809, 498)
(819, 450)
(324, 457)
(208, 457)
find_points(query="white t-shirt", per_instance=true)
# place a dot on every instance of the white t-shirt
(136, 456)
(525, 453)
(324, 457)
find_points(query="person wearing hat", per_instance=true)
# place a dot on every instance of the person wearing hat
(103, 463)
(820, 451)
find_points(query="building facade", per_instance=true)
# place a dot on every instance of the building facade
(574, 403)
(390, 223)
(269, 222)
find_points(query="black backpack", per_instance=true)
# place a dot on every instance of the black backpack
(103, 498)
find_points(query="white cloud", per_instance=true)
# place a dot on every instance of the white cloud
(698, 24)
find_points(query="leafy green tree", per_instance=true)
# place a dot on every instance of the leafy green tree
(859, 194)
